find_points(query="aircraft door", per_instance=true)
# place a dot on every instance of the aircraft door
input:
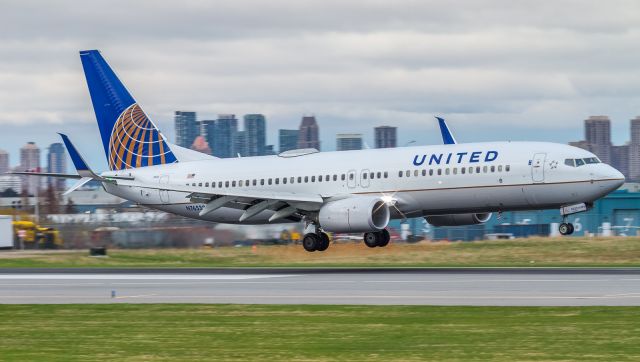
(351, 178)
(164, 194)
(364, 178)
(537, 167)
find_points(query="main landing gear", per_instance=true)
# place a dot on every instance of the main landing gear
(379, 238)
(315, 241)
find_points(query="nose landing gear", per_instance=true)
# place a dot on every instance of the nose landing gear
(566, 228)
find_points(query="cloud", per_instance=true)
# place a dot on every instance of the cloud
(529, 65)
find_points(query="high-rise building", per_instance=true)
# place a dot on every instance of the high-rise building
(634, 150)
(224, 136)
(240, 143)
(4, 162)
(287, 139)
(208, 130)
(201, 145)
(598, 136)
(186, 127)
(620, 159)
(348, 141)
(56, 163)
(30, 161)
(386, 137)
(12, 182)
(256, 134)
(308, 135)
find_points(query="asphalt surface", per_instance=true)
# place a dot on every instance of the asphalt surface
(446, 286)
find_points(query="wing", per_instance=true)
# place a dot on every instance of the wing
(286, 205)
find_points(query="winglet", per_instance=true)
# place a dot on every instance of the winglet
(447, 137)
(78, 162)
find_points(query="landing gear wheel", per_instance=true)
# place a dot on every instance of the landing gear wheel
(384, 238)
(566, 228)
(371, 239)
(323, 242)
(310, 242)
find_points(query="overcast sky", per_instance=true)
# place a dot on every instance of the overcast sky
(519, 70)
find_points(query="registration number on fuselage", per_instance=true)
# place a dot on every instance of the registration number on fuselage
(198, 207)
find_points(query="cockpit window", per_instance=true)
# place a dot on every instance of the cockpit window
(577, 162)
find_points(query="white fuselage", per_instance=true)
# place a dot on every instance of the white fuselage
(426, 180)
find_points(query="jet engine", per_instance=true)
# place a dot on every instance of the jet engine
(354, 214)
(458, 219)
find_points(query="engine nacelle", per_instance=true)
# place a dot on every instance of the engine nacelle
(354, 214)
(458, 219)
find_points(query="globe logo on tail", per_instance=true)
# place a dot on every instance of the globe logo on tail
(136, 142)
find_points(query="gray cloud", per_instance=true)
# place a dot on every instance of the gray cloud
(517, 65)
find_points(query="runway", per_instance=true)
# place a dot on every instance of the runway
(448, 286)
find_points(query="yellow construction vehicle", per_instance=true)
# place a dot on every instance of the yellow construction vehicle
(33, 236)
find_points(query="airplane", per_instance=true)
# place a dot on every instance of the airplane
(343, 192)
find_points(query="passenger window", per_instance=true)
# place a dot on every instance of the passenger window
(284, 180)
(372, 175)
(247, 183)
(507, 168)
(335, 177)
(484, 169)
(431, 172)
(277, 180)
(261, 182)
(351, 176)
(408, 173)
(240, 183)
(400, 173)
(415, 173)
(477, 169)
(233, 183)
(270, 181)
(306, 179)
(364, 175)
(313, 179)
(299, 179)
(439, 171)
(446, 171)
(470, 170)
(200, 184)
(327, 178)
(213, 185)
(255, 182)
(493, 168)
(379, 175)
(499, 168)
(386, 174)
(193, 184)
(220, 184)
(463, 170)
(343, 177)
(226, 184)
(206, 184)
(320, 178)
(424, 172)
(455, 170)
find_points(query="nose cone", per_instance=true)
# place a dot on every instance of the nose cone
(612, 179)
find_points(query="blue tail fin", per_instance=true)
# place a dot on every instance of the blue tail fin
(129, 137)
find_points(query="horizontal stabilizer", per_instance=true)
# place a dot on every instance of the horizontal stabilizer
(44, 174)
(78, 162)
(83, 181)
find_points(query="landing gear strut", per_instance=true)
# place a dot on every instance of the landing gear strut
(566, 228)
(379, 238)
(315, 241)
